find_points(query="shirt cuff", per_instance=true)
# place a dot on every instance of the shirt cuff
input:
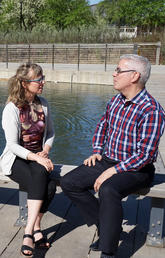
(97, 151)
(119, 168)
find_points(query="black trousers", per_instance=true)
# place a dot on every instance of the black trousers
(34, 179)
(106, 211)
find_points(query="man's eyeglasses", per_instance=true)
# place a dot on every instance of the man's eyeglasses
(118, 70)
(41, 79)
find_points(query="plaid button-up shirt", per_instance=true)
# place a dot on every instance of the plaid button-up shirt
(130, 131)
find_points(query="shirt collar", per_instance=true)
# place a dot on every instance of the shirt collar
(138, 98)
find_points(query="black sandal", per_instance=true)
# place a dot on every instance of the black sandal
(42, 242)
(26, 247)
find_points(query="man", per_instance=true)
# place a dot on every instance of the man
(129, 133)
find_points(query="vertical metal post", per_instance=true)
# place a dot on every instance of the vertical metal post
(29, 54)
(106, 47)
(78, 63)
(66, 52)
(87, 54)
(53, 57)
(23, 213)
(156, 234)
(158, 53)
(135, 49)
(7, 56)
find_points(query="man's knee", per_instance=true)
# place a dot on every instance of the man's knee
(76, 180)
(51, 189)
(72, 180)
(66, 182)
(107, 191)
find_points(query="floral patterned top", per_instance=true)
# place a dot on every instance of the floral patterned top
(32, 120)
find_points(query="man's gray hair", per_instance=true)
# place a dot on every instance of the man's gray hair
(139, 63)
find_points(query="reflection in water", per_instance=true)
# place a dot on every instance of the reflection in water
(75, 112)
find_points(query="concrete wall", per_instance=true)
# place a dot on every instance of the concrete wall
(90, 77)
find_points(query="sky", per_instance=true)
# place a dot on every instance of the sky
(94, 1)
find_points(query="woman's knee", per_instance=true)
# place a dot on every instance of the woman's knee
(40, 176)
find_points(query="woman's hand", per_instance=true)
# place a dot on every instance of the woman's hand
(43, 154)
(46, 162)
(92, 160)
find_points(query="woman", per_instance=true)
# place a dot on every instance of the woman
(29, 137)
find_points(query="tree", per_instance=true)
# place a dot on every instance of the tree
(147, 13)
(143, 13)
(23, 14)
(67, 13)
(110, 10)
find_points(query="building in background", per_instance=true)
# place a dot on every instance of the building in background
(93, 7)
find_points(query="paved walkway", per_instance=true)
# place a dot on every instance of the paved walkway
(66, 231)
(64, 226)
(159, 69)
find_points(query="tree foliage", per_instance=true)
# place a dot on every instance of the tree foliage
(41, 15)
(26, 14)
(67, 13)
(144, 13)
(22, 14)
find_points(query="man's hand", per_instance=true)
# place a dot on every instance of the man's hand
(104, 176)
(92, 160)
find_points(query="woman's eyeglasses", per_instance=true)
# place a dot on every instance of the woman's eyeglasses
(41, 79)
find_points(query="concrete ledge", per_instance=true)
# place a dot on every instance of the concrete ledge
(89, 77)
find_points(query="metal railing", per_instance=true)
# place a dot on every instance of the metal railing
(76, 53)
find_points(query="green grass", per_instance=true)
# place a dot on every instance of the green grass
(72, 35)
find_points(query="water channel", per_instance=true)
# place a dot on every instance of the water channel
(75, 112)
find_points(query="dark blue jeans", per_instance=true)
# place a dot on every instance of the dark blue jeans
(105, 211)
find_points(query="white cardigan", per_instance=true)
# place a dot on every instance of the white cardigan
(12, 129)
